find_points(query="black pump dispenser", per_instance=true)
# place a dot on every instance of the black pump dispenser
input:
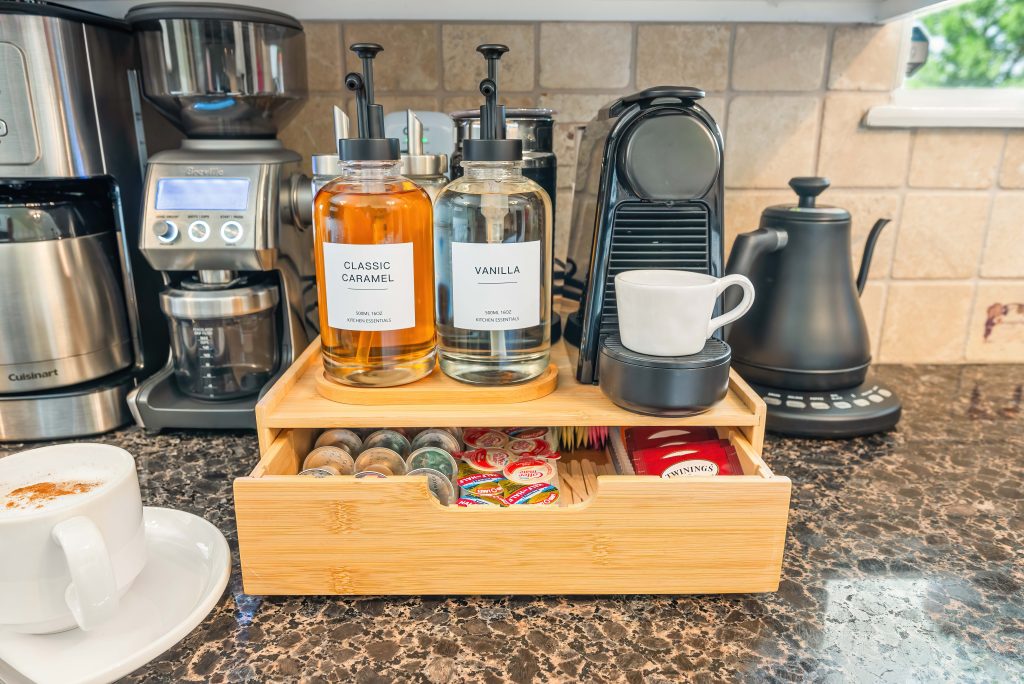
(492, 144)
(369, 144)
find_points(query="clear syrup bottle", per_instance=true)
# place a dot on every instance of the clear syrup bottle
(492, 244)
(374, 256)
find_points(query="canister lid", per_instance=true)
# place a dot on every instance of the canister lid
(326, 165)
(203, 304)
(511, 113)
(151, 14)
(807, 209)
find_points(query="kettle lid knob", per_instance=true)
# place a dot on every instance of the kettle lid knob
(808, 188)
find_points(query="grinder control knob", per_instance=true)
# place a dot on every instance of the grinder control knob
(199, 231)
(231, 232)
(165, 231)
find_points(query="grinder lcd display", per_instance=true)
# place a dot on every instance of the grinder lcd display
(649, 186)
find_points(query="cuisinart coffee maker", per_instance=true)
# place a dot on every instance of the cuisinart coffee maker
(225, 216)
(648, 196)
(78, 316)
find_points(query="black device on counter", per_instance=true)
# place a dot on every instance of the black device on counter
(667, 386)
(804, 344)
(649, 188)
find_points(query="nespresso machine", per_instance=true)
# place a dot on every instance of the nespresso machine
(79, 322)
(225, 216)
(648, 195)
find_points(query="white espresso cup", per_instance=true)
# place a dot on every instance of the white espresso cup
(669, 313)
(71, 534)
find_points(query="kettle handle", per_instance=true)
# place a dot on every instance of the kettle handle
(869, 251)
(746, 250)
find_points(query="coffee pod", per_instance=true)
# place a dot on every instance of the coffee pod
(435, 459)
(321, 471)
(370, 475)
(334, 456)
(438, 483)
(454, 432)
(389, 439)
(382, 460)
(436, 437)
(341, 437)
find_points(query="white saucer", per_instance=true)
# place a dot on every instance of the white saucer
(188, 565)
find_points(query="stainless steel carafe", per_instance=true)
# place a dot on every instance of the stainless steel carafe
(62, 311)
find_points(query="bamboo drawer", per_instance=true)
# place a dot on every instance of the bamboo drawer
(623, 534)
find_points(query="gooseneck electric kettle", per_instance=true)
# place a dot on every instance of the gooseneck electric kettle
(804, 344)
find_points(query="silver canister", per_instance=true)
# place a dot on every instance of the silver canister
(426, 170)
(535, 127)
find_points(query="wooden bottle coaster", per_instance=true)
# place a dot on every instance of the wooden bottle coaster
(438, 389)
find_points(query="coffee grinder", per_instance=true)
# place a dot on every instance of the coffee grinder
(225, 216)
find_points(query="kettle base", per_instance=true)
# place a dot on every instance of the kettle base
(836, 414)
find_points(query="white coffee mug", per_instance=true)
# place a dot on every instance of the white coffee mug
(668, 313)
(67, 558)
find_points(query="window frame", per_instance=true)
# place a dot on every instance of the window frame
(945, 107)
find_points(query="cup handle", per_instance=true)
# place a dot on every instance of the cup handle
(92, 595)
(738, 310)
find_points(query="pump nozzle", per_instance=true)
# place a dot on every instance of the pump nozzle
(491, 145)
(371, 143)
(492, 115)
(369, 115)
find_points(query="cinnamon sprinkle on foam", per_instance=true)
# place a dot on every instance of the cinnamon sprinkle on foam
(41, 493)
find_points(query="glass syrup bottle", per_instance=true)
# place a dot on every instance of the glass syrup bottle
(492, 241)
(374, 256)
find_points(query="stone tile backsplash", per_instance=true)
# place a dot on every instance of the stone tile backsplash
(947, 279)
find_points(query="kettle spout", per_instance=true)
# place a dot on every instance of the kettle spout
(869, 251)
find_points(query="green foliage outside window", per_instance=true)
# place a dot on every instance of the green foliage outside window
(979, 44)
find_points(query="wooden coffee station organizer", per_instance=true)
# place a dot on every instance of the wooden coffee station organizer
(609, 533)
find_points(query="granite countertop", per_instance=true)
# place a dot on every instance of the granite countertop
(903, 563)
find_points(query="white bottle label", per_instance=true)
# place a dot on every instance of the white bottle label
(496, 286)
(369, 287)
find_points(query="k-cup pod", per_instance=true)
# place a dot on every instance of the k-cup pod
(341, 437)
(435, 459)
(436, 437)
(320, 471)
(334, 456)
(381, 459)
(370, 475)
(389, 439)
(438, 483)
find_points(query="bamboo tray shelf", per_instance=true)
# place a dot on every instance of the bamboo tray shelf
(610, 533)
(294, 402)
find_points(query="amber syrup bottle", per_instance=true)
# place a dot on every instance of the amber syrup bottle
(374, 256)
